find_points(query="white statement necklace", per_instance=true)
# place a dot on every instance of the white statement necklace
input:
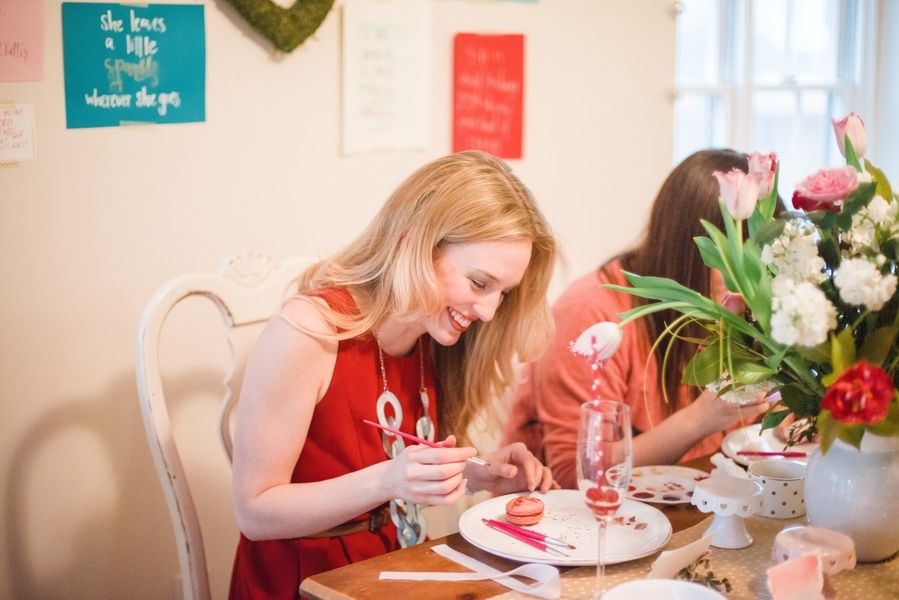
(407, 516)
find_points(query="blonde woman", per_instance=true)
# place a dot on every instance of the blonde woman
(414, 325)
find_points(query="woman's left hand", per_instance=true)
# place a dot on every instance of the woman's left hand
(511, 469)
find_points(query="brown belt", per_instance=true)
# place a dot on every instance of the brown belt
(376, 519)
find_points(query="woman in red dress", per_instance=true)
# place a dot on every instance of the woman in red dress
(414, 325)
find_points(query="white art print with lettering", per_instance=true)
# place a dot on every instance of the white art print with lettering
(386, 75)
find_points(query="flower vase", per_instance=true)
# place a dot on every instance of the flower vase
(855, 491)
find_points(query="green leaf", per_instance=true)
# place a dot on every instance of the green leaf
(732, 228)
(800, 401)
(769, 232)
(842, 353)
(877, 345)
(751, 372)
(757, 296)
(829, 250)
(772, 361)
(851, 434)
(764, 209)
(824, 219)
(881, 184)
(815, 354)
(890, 425)
(856, 201)
(644, 310)
(827, 428)
(851, 156)
(704, 368)
(709, 252)
(773, 419)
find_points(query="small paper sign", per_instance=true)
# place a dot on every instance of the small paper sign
(16, 131)
(488, 93)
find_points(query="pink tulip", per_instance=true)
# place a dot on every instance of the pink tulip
(826, 189)
(766, 166)
(598, 342)
(851, 125)
(739, 191)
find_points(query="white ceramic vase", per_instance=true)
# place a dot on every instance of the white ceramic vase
(855, 491)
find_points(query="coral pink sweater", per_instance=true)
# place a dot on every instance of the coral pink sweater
(545, 407)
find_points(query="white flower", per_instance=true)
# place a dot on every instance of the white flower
(794, 254)
(598, 342)
(878, 216)
(861, 282)
(802, 314)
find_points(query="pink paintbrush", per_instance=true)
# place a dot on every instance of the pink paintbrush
(535, 535)
(414, 438)
(523, 538)
(785, 454)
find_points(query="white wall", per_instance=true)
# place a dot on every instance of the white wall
(104, 216)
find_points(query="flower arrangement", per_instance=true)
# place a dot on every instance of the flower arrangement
(819, 284)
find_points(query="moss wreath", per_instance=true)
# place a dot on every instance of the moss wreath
(287, 28)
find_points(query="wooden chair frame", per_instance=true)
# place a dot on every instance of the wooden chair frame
(247, 289)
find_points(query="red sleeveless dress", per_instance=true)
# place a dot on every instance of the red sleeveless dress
(338, 443)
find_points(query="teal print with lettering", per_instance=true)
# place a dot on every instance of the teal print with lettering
(127, 63)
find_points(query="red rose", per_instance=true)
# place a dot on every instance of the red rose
(861, 395)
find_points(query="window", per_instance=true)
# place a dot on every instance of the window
(769, 75)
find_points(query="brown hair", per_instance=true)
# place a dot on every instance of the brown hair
(689, 193)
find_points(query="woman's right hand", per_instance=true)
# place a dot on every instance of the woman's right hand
(430, 476)
(715, 414)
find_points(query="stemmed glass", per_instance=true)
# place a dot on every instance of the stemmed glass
(604, 457)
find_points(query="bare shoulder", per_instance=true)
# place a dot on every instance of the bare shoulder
(294, 351)
(304, 314)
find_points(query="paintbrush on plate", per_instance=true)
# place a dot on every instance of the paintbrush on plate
(536, 535)
(414, 438)
(523, 538)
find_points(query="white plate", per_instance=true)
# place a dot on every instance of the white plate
(748, 438)
(638, 530)
(662, 589)
(664, 484)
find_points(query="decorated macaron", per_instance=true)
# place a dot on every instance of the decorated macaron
(524, 510)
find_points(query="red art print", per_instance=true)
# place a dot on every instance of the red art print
(488, 93)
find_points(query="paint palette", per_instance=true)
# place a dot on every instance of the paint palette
(664, 484)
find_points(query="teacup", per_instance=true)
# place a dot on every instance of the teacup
(783, 482)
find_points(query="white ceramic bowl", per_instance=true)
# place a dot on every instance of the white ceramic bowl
(661, 589)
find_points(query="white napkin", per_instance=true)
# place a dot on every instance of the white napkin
(669, 562)
(726, 466)
(546, 577)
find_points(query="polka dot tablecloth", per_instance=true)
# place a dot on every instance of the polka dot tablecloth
(744, 568)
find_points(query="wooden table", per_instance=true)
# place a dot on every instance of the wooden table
(359, 581)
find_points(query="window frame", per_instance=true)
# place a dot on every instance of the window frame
(856, 83)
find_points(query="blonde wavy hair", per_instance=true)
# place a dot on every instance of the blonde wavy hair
(461, 198)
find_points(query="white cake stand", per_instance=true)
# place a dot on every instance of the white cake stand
(731, 499)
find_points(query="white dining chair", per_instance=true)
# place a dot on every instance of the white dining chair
(247, 290)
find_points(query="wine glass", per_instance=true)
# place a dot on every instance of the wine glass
(604, 456)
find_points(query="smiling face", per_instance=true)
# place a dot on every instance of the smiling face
(472, 280)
